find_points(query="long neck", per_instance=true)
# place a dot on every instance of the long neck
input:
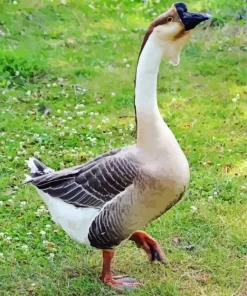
(146, 78)
(148, 118)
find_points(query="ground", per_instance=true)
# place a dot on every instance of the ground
(66, 95)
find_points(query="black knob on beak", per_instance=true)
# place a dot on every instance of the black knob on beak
(190, 19)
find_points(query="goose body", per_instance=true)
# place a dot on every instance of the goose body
(105, 201)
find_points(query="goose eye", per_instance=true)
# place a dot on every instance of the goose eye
(169, 19)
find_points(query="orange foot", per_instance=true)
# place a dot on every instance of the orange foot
(120, 282)
(149, 245)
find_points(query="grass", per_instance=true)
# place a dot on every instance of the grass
(79, 61)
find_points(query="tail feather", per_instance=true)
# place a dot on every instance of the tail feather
(37, 169)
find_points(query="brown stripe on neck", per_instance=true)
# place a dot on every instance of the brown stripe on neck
(164, 18)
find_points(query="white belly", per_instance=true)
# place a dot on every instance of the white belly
(74, 221)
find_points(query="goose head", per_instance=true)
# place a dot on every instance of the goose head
(172, 30)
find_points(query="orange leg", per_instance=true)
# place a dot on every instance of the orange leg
(149, 245)
(120, 282)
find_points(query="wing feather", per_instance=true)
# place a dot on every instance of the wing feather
(91, 184)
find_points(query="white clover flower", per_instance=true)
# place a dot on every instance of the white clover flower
(48, 226)
(37, 153)
(125, 60)
(15, 2)
(113, 94)
(51, 255)
(54, 84)
(98, 102)
(1, 202)
(105, 120)
(234, 100)
(1, 234)
(28, 93)
(42, 232)
(58, 111)
(80, 113)
(61, 134)
(25, 247)
(210, 197)
(127, 65)
(8, 238)
(17, 73)
(132, 126)
(193, 208)
(23, 203)
(48, 85)
(60, 79)
(91, 6)
(29, 233)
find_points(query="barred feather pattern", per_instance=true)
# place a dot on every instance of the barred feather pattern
(92, 184)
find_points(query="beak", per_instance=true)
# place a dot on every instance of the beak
(191, 19)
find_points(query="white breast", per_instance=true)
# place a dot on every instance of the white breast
(74, 221)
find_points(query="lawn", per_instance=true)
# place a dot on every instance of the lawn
(76, 62)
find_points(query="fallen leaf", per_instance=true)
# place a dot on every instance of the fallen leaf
(176, 240)
(202, 277)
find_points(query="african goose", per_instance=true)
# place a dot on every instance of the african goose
(103, 202)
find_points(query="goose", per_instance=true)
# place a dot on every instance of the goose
(107, 200)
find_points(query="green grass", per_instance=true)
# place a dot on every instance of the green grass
(77, 59)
